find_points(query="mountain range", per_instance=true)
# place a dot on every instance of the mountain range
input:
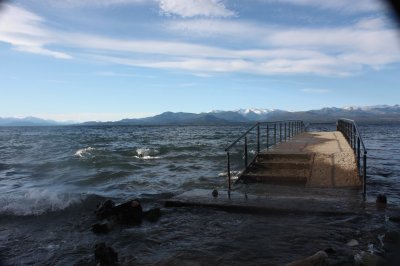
(374, 114)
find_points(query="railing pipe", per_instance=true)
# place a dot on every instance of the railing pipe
(258, 138)
(267, 136)
(245, 152)
(229, 171)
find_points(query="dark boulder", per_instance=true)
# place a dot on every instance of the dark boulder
(100, 228)
(129, 212)
(105, 209)
(105, 255)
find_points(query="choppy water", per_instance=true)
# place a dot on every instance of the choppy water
(51, 179)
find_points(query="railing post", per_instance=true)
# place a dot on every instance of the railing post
(258, 138)
(245, 152)
(354, 138)
(358, 154)
(267, 136)
(280, 131)
(229, 171)
(365, 174)
(274, 133)
(285, 130)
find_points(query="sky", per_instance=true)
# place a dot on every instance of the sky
(107, 60)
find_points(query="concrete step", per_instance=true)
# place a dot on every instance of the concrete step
(284, 157)
(280, 165)
(274, 179)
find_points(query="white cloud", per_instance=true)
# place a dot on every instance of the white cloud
(334, 51)
(318, 91)
(193, 8)
(23, 30)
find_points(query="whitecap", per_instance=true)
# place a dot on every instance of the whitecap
(85, 152)
(146, 154)
(146, 157)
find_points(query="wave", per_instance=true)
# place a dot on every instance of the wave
(146, 154)
(234, 174)
(37, 201)
(85, 152)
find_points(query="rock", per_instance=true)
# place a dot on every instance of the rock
(318, 259)
(352, 243)
(129, 212)
(215, 193)
(100, 228)
(381, 201)
(330, 251)
(105, 255)
(369, 259)
(391, 237)
(153, 214)
(105, 209)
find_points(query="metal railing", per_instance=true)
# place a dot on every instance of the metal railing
(352, 134)
(260, 136)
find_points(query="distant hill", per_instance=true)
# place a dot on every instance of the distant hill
(370, 114)
(375, 114)
(27, 121)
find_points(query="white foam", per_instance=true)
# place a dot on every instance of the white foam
(146, 154)
(37, 201)
(85, 152)
(146, 157)
(234, 174)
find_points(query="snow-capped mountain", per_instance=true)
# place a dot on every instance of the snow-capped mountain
(377, 113)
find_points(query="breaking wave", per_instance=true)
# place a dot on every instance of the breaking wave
(146, 154)
(85, 152)
(37, 201)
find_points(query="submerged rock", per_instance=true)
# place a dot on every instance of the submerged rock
(215, 193)
(153, 214)
(381, 201)
(100, 228)
(318, 259)
(105, 255)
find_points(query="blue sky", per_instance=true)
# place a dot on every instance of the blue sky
(107, 60)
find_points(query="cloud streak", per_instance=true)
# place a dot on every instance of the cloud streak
(193, 8)
(334, 51)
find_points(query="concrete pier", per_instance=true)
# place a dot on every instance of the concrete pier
(317, 159)
(311, 172)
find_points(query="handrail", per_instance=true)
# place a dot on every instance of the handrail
(351, 132)
(291, 128)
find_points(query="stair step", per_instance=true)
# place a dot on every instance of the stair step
(280, 165)
(290, 157)
(279, 172)
(295, 180)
